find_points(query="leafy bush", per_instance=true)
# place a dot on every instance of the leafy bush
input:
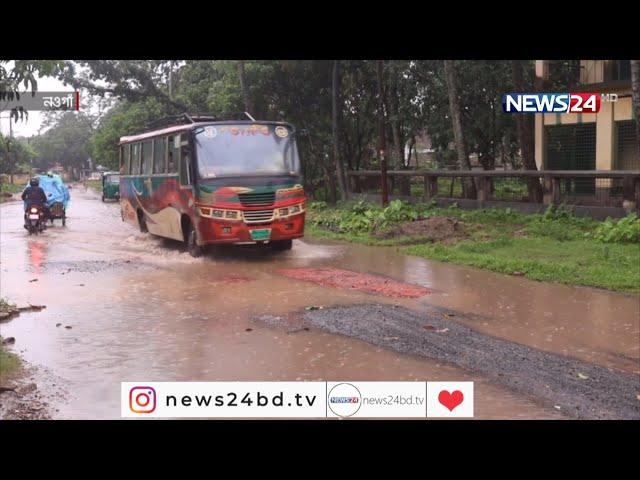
(399, 211)
(361, 217)
(558, 212)
(317, 206)
(625, 230)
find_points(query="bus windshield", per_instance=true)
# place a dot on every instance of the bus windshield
(245, 149)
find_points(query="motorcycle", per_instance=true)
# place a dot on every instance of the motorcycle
(34, 219)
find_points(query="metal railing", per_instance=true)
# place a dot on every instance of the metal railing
(604, 188)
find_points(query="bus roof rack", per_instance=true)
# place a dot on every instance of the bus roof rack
(187, 118)
(181, 119)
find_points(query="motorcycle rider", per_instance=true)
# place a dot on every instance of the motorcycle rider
(33, 195)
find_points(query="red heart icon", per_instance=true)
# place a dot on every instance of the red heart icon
(450, 400)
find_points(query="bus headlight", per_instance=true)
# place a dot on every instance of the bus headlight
(220, 213)
(289, 211)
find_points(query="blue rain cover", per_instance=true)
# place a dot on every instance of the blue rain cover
(55, 189)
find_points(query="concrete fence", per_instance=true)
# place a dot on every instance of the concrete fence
(596, 193)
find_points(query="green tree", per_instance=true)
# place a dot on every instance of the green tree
(16, 155)
(127, 118)
(65, 143)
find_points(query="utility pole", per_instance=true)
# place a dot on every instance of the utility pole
(9, 141)
(382, 142)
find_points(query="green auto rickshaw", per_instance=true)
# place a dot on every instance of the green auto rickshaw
(110, 186)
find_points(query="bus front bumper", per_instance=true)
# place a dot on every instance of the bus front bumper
(217, 231)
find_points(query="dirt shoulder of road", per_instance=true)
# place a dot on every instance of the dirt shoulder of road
(20, 396)
(578, 389)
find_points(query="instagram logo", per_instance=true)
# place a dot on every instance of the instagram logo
(142, 399)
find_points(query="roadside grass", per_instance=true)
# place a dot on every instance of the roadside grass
(555, 246)
(574, 262)
(95, 184)
(8, 189)
(9, 362)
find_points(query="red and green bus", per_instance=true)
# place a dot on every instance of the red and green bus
(205, 182)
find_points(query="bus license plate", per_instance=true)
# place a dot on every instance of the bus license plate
(262, 234)
(34, 216)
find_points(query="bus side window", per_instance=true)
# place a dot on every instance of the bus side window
(126, 159)
(174, 157)
(135, 159)
(185, 167)
(158, 155)
(147, 158)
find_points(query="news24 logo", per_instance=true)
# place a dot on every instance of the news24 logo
(555, 102)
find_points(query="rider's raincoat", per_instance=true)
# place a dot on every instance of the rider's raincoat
(55, 189)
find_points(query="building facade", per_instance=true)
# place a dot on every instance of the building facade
(597, 141)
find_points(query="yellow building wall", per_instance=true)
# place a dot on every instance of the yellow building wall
(605, 132)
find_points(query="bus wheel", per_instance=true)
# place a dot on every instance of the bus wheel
(193, 248)
(103, 197)
(142, 222)
(282, 245)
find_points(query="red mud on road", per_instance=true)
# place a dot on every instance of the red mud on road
(336, 277)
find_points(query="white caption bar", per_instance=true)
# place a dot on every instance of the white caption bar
(296, 399)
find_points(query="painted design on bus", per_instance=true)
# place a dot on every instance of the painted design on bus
(215, 182)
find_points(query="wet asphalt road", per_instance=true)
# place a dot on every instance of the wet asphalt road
(580, 389)
(140, 308)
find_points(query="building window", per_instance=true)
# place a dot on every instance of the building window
(563, 74)
(627, 154)
(572, 147)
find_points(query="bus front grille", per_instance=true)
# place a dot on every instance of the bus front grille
(258, 216)
(257, 199)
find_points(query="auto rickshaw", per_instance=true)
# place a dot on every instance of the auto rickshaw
(57, 197)
(110, 186)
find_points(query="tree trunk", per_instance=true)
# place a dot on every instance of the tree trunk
(248, 106)
(526, 135)
(397, 138)
(635, 87)
(335, 86)
(382, 141)
(456, 121)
